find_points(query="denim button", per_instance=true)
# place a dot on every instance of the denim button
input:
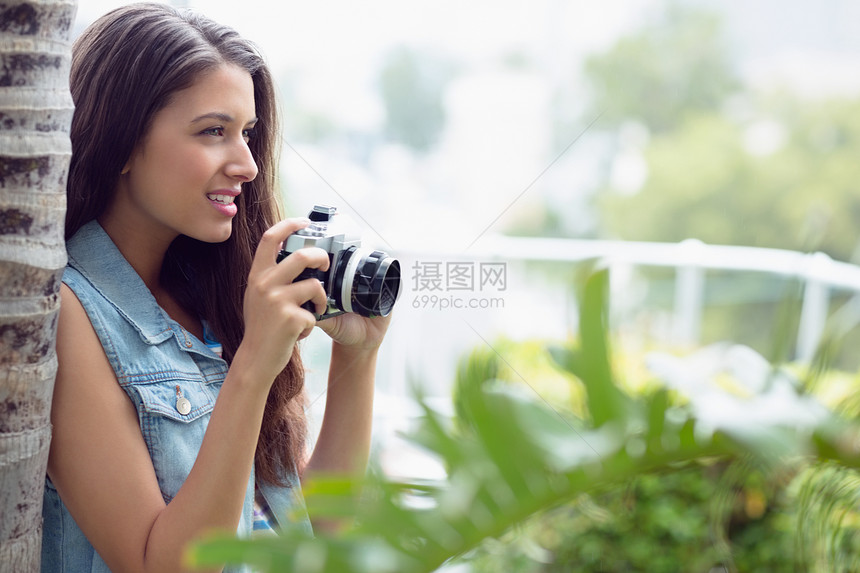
(183, 404)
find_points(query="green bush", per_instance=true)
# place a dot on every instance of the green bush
(690, 518)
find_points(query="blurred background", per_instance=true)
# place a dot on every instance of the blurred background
(706, 150)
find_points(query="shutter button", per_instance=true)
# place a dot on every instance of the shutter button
(183, 405)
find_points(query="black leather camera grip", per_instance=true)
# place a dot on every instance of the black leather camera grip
(311, 274)
(305, 274)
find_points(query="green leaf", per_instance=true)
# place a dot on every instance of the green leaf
(658, 404)
(606, 403)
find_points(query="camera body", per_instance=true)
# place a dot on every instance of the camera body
(358, 280)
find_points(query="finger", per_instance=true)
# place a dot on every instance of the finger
(310, 290)
(304, 258)
(270, 243)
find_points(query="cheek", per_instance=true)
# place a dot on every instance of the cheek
(185, 167)
(168, 166)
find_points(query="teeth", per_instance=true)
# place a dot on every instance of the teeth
(223, 199)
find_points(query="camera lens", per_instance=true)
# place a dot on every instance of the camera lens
(367, 282)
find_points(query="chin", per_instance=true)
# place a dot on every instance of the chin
(222, 238)
(215, 236)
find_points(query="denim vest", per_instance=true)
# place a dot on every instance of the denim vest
(152, 356)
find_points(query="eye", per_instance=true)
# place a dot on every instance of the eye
(216, 131)
(249, 133)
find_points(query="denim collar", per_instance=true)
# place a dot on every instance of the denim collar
(96, 257)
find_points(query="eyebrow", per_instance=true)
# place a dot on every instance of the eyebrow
(218, 116)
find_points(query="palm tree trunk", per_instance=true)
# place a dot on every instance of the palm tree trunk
(35, 115)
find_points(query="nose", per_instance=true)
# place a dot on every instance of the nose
(241, 164)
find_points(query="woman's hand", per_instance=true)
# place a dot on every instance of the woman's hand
(357, 331)
(274, 318)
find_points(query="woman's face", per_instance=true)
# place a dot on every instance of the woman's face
(184, 175)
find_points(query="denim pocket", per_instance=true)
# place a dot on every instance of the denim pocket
(165, 399)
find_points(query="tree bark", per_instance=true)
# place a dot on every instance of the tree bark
(35, 116)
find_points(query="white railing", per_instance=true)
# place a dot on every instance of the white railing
(818, 273)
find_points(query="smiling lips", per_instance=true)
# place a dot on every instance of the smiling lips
(224, 202)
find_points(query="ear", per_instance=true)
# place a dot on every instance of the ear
(126, 168)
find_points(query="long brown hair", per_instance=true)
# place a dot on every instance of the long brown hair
(125, 68)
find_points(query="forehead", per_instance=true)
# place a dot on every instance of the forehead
(226, 90)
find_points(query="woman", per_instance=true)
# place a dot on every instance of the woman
(173, 234)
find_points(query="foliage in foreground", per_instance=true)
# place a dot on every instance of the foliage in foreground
(696, 516)
(510, 457)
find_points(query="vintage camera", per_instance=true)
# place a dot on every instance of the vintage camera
(358, 280)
